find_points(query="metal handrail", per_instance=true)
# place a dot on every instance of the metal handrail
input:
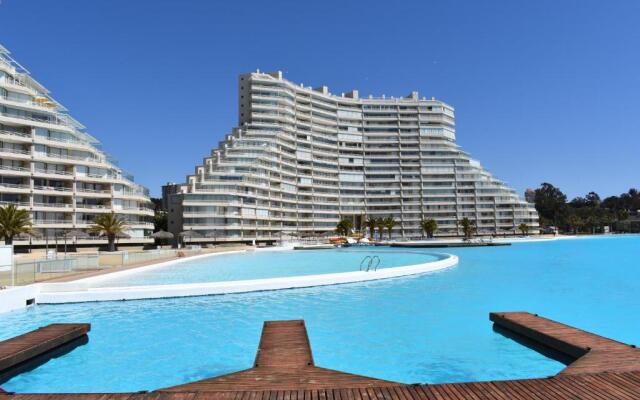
(363, 261)
(374, 259)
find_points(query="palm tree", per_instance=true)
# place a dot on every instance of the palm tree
(371, 223)
(524, 228)
(429, 226)
(109, 225)
(13, 222)
(380, 225)
(344, 226)
(389, 223)
(467, 227)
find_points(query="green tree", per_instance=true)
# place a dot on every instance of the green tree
(344, 226)
(429, 226)
(550, 203)
(109, 225)
(574, 222)
(524, 228)
(389, 223)
(467, 227)
(13, 222)
(160, 221)
(381, 226)
(371, 223)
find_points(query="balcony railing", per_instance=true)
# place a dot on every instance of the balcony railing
(37, 221)
(53, 121)
(14, 133)
(57, 189)
(54, 172)
(14, 151)
(16, 203)
(14, 186)
(85, 190)
(12, 168)
(71, 157)
(53, 205)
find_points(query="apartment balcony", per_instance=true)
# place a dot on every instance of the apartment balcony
(15, 188)
(45, 106)
(52, 223)
(13, 136)
(65, 143)
(93, 208)
(135, 211)
(53, 190)
(53, 123)
(65, 175)
(57, 207)
(8, 170)
(94, 193)
(24, 205)
(17, 85)
(71, 159)
(18, 154)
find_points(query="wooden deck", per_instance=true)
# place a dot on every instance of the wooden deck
(603, 369)
(33, 348)
(590, 353)
(284, 361)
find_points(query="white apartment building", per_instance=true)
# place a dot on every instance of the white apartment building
(50, 166)
(302, 158)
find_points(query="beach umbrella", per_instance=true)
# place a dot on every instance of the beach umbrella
(75, 234)
(162, 235)
(190, 234)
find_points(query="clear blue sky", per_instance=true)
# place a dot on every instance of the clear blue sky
(543, 90)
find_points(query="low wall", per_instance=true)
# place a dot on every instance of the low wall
(81, 291)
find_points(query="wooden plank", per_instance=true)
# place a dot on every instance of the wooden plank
(284, 344)
(284, 370)
(589, 353)
(284, 361)
(21, 350)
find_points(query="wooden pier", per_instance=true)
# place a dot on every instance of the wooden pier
(599, 369)
(31, 349)
(284, 361)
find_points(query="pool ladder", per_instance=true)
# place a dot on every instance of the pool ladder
(370, 263)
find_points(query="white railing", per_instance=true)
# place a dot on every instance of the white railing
(12, 168)
(57, 189)
(14, 133)
(54, 172)
(53, 205)
(14, 186)
(15, 151)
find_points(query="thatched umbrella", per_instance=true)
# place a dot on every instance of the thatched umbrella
(162, 235)
(75, 234)
(189, 234)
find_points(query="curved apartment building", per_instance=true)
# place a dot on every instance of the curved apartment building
(303, 158)
(50, 166)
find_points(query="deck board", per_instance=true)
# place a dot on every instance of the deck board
(284, 361)
(591, 353)
(19, 350)
(284, 369)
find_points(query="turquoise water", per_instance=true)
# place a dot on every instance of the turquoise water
(427, 328)
(268, 264)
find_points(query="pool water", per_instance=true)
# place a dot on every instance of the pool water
(428, 328)
(268, 264)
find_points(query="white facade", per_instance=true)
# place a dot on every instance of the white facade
(51, 167)
(302, 158)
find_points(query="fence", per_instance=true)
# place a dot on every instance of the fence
(30, 271)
